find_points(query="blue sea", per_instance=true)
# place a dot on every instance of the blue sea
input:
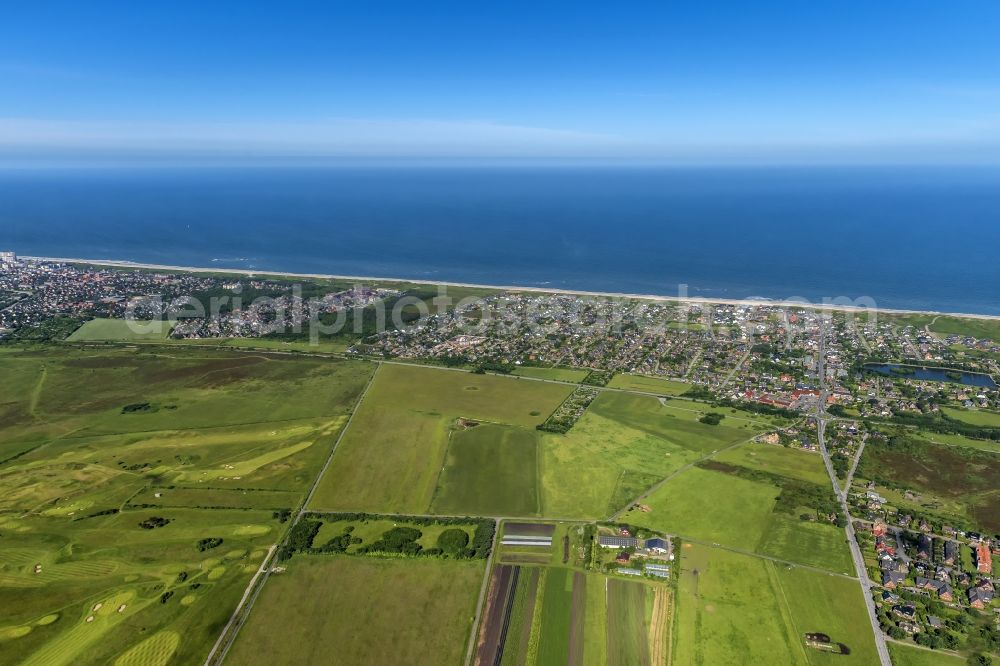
(910, 238)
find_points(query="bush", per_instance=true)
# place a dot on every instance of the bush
(153, 522)
(453, 540)
(209, 544)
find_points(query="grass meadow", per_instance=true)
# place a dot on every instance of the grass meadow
(556, 374)
(734, 608)
(391, 458)
(642, 383)
(371, 611)
(119, 330)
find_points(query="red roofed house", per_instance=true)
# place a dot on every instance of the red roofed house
(984, 559)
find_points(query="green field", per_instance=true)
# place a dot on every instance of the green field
(715, 507)
(556, 374)
(793, 463)
(628, 631)
(392, 455)
(490, 470)
(978, 417)
(362, 610)
(677, 421)
(565, 616)
(734, 608)
(119, 330)
(624, 444)
(117, 463)
(646, 384)
(709, 506)
(600, 465)
(909, 655)
(946, 325)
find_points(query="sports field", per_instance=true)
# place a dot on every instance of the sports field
(143, 489)
(734, 608)
(392, 456)
(362, 610)
(121, 330)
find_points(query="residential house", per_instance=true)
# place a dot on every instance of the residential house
(950, 552)
(925, 547)
(984, 559)
(892, 579)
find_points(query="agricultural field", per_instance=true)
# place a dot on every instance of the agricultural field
(626, 443)
(391, 458)
(560, 616)
(490, 470)
(120, 330)
(734, 608)
(556, 374)
(793, 463)
(140, 491)
(677, 421)
(646, 384)
(363, 610)
(600, 465)
(712, 504)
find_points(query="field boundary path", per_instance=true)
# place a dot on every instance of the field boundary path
(242, 612)
(859, 560)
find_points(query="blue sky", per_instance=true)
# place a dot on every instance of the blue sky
(708, 82)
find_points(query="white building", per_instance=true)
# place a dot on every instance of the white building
(8, 258)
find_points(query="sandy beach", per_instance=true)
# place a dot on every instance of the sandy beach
(513, 288)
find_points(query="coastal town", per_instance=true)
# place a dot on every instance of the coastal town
(898, 411)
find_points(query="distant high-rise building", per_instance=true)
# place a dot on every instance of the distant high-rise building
(8, 258)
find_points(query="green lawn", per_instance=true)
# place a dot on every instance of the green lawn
(815, 544)
(118, 330)
(647, 384)
(733, 608)
(363, 610)
(490, 470)
(793, 463)
(392, 455)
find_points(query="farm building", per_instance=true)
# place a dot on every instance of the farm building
(658, 545)
(617, 542)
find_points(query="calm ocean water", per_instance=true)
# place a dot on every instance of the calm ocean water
(915, 238)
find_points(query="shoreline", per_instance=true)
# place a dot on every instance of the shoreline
(694, 300)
